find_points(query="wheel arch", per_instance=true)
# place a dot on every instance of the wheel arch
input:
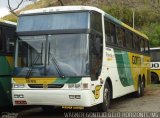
(154, 73)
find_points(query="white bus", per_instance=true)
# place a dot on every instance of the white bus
(77, 56)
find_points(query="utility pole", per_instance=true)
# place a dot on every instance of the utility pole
(133, 17)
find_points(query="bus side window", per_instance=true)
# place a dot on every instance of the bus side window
(107, 32)
(96, 21)
(129, 40)
(10, 38)
(136, 43)
(96, 55)
(142, 45)
(113, 33)
(120, 33)
(147, 47)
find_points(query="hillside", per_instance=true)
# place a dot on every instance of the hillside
(147, 17)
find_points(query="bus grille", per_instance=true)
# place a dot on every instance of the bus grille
(48, 85)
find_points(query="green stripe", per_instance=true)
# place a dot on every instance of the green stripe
(5, 68)
(123, 66)
(71, 80)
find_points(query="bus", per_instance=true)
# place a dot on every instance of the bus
(7, 41)
(155, 65)
(77, 57)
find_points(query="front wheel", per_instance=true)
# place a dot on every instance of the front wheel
(103, 107)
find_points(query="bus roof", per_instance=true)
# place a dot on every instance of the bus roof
(155, 48)
(79, 8)
(7, 23)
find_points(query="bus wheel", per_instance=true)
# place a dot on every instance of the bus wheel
(48, 108)
(154, 78)
(103, 107)
(140, 91)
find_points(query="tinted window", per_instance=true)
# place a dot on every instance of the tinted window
(136, 43)
(155, 55)
(96, 21)
(7, 38)
(96, 45)
(142, 45)
(57, 21)
(113, 33)
(120, 33)
(147, 47)
(10, 38)
(129, 40)
(108, 31)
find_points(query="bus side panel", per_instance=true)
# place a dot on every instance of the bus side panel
(5, 91)
(118, 64)
(6, 64)
(139, 66)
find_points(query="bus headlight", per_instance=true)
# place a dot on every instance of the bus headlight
(74, 86)
(18, 85)
(77, 86)
(70, 86)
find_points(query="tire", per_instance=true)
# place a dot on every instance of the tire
(48, 109)
(140, 91)
(154, 78)
(103, 107)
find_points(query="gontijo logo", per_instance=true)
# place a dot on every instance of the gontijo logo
(155, 65)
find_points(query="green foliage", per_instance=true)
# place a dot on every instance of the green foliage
(153, 32)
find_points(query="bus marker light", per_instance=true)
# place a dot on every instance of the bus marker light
(85, 85)
(77, 85)
(70, 85)
(21, 102)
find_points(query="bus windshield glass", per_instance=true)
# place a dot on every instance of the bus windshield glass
(56, 21)
(46, 55)
(155, 55)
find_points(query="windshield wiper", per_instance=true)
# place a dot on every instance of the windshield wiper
(34, 62)
(54, 61)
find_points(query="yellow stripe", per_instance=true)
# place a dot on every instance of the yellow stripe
(130, 28)
(34, 80)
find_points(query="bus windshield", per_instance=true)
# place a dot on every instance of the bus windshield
(42, 55)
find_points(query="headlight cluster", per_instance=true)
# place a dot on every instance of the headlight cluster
(74, 86)
(18, 85)
(78, 86)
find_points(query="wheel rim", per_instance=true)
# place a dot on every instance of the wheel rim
(106, 96)
(142, 84)
(139, 88)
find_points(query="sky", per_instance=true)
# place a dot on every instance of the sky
(4, 6)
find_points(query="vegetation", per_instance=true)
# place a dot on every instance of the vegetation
(147, 17)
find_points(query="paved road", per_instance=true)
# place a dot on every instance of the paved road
(149, 102)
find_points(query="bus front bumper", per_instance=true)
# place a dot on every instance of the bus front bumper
(83, 98)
